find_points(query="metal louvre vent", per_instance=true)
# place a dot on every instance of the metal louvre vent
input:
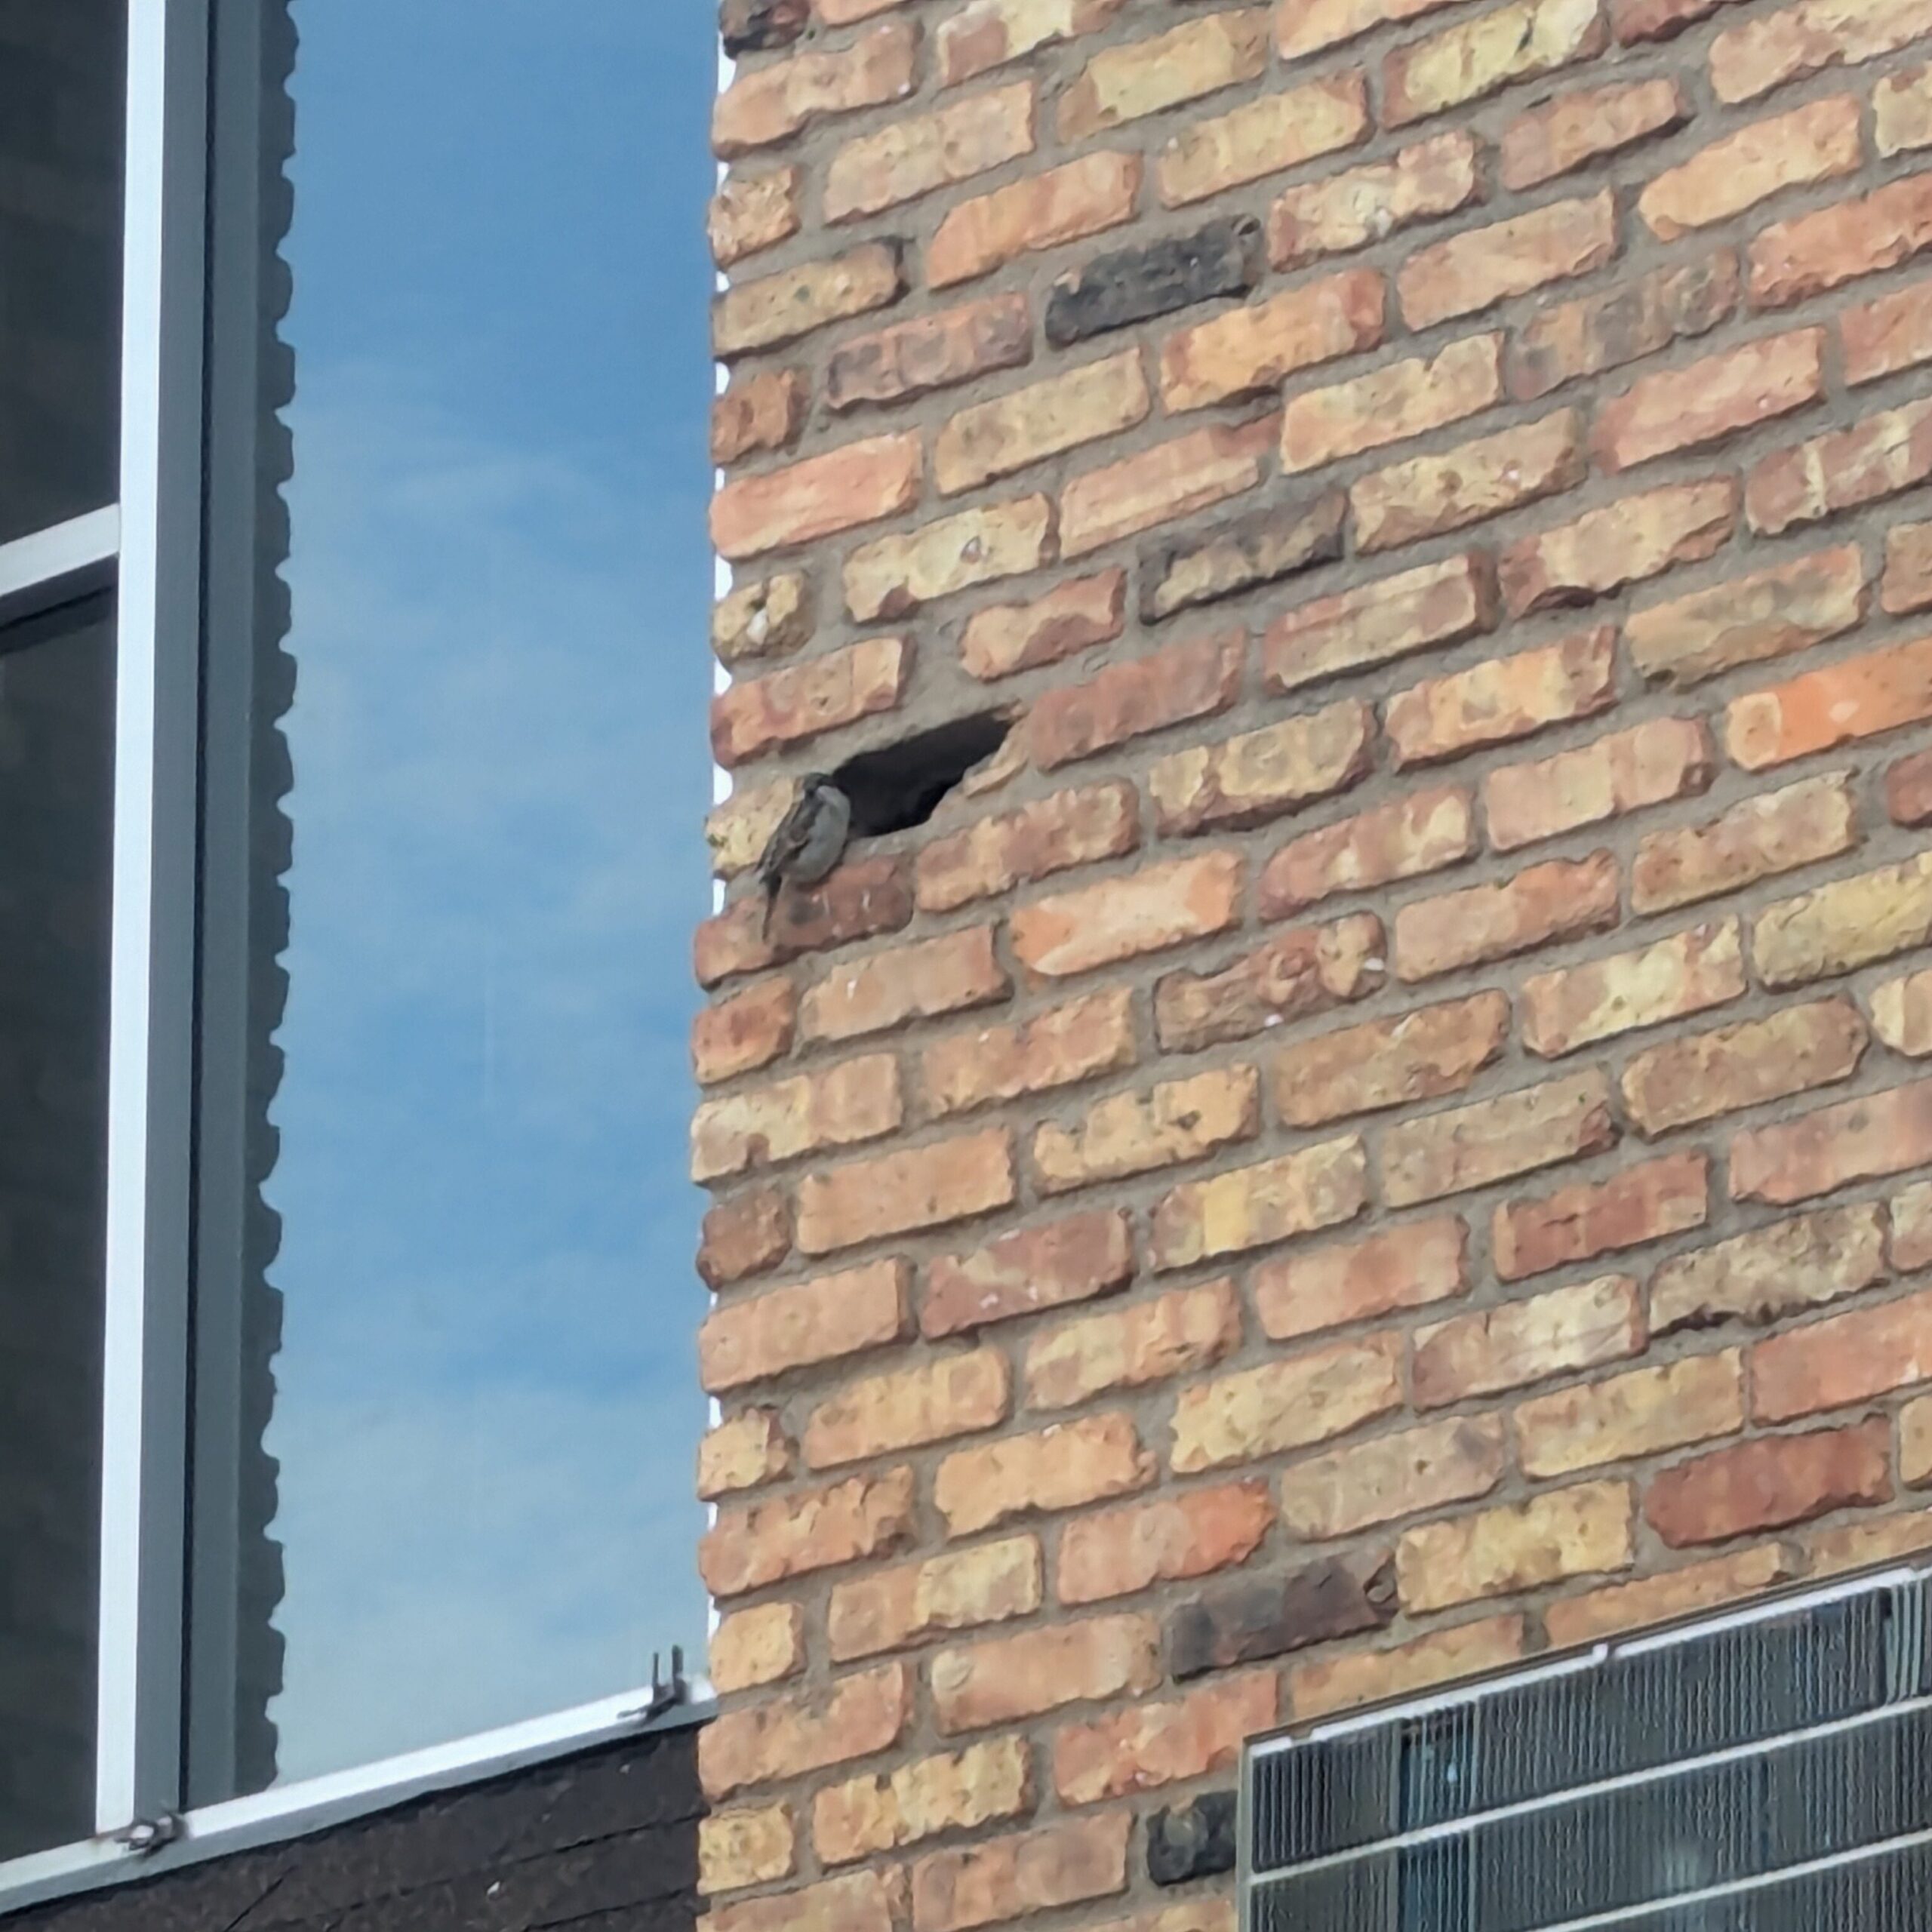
(1771, 1768)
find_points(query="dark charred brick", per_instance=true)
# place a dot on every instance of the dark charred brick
(1191, 1840)
(752, 26)
(1180, 574)
(1133, 285)
(1268, 1617)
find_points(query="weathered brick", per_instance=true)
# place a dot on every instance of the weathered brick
(749, 1235)
(1867, 1545)
(1399, 401)
(1563, 899)
(1795, 259)
(1411, 1266)
(1061, 1467)
(1891, 334)
(1319, 1187)
(1576, 129)
(742, 1453)
(1428, 496)
(1907, 583)
(1843, 1360)
(1619, 1608)
(1151, 1745)
(862, 898)
(1251, 349)
(992, 439)
(899, 1192)
(751, 212)
(1433, 178)
(846, 13)
(1031, 1268)
(1818, 142)
(1902, 111)
(1634, 21)
(1690, 972)
(1138, 78)
(1281, 130)
(985, 1784)
(913, 358)
(1016, 1877)
(1901, 1014)
(1463, 63)
(780, 308)
(1482, 266)
(763, 106)
(893, 577)
(1707, 400)
(739, 1034)
(749, 26)
(1306, 28)
(1000, 1680)
(1606, 550)
(1847, 924)
(1084, 196)
(1172, 479)
(794, 1327)
(1492, 1140)
(986, 33)
(992, 1582)
(1752, 58)
(1797, 1160)
(1768, 1483)
(789, 1737)
(888, 989)
(1418, 1470)
(1642, 1204)
(1286, 1404)
(1649, 764)
(1421, 832)
(1419, 1056)
(740, 1848)
(1309, 971)
(1136, 1133)
(1908, 789)
(1491, 1349)
(1191, 1534)
(1071, 617)
(1770, 614)
(1504, 699)
(1057, 1048)
(856, 1100)
(956, 1394)
(1641, 1413)
(1249, 1618)
(1879, 457)
(1568, 1532)
(1916, 1441)
(763, 1645)
(1838, 704)
(1261, 774)
(861, 1902)
(916, 153)
(818, 497)
(1129, 285)
(1758, 837)
(768, 620)
(764, 411)
(1180, 574)
(1771, 1272)
(1367, 1677)
(1157, 907)
(1440, 603)
(1789, 1052)
(1638, 317)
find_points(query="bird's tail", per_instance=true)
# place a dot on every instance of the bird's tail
(771, 886)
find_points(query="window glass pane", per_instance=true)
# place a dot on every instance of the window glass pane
(447, 1300)
(56, 723)
(63, 78)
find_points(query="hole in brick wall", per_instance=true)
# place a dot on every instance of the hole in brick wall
(900, 786)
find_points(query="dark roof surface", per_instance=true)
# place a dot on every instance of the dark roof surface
(606, 1841)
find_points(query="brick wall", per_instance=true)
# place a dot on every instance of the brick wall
(1383, 1133)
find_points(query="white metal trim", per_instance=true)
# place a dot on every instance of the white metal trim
(42, 568)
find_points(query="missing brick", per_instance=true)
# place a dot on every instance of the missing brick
(900, 786)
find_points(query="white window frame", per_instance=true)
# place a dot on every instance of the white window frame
(149, 546)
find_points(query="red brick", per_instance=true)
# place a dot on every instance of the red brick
(1844, 1360)
(1642, 1204)
(896, 575)
(1780, 1269)
(1428, 496)
(784, 307)
(1474, 270)
(988, 440)
(1250, 350)
(1015, 1877)
(1769, 613)
(1281, 129)
(1642, 1414)
(1134, 78)
(750, 1450)
(1562, 898)
(914, 154)
(956, 1394)
(1901, 1014)
(888, 989)
(1393, 404)
(1062, 1467)
(768, 104)
(1775, 832)
(758, 412)
(986, 33)
(1575, 129)
(1309, 27)
(913, 358)
(1789, 1052)
(1837, 705)
(966, 1790)
(1707, 400)
(1879, 457)
(752, 1647)
(740, 1035)
(1148, 910)
(1907, 584)
(1134, 1133)
(1433, 178)
(1690, 972)
(964, 1589)
(1849, 923)
(1172, 479)
(1130, 699)
(1467, 62)
(1318, 1187)
(1059, 1048)
(1367, 1677)
(1095, 192)
(1191, 1534)
(761, 1543)
(862, 1902)
(1639, 20)
(1492, 1140)
(749, 1235)
(770, 619)
(1818, 142)
(816, 498)
(1882, 337)
(794, 1327)
(1619, 1608)
(1403, 1474)
(1768, 1483)
(1902, 111)
(753, 211)
(1309, 971)
(1504, 699)
(900, 1192)
(1908, 789)
(1576, 1532)
(1649, 764)
(1149, 1745)
(1411, 1266)
(1483, 1352)
(1287, 1404)
(1439, 605)
(862, 898)
(1862, 1139)
(1420, 1056)
(999, 1680)
(1263, 775)
(1761, 53)
(1069, 618)
(838, 1106)
(1421, 832)
(1795, 259)
(1031, 1268)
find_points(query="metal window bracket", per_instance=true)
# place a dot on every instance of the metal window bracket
(666, 1693)
(146, 1836)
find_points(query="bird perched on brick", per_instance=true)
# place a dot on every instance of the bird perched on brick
(808, 840)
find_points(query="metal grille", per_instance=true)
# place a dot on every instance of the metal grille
(1768, 1769)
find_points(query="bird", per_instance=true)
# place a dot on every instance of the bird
(808, 841)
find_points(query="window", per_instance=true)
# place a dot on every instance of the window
(353, 588)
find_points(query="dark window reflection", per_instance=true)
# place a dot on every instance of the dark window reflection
(57, 722)
(62, 134)
(457, 776)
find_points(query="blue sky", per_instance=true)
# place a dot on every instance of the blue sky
(487, 1413)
